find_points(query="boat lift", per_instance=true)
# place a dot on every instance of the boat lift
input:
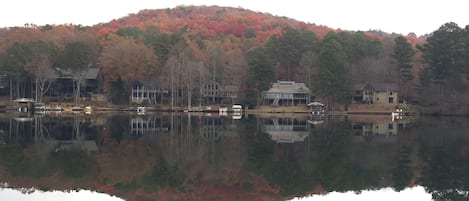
(317, 108)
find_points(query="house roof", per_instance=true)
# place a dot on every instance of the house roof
(92, 73)
(231, 88)
(288, 87)
(359, 86)
(385, 87)
(377, 86)
(147, 83)
(89, 73)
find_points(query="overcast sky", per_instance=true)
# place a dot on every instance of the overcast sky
(400, 16)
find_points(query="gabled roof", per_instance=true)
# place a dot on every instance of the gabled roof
(377, 86)
(231, 88)
(359, 86)
(92, 73)
(288, 87)
(385, 87)
(146, 83)
(88, 74)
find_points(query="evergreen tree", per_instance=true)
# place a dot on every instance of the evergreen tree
(261, 71)
(333, 79)
(444, 55)
(403, 53)
(358, 46)
(288, 48)
(441, 53)
(117, 95)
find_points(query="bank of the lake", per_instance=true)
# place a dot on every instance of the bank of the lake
(362, 109)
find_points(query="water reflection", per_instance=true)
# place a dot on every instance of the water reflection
(381, 129)
(184, 157)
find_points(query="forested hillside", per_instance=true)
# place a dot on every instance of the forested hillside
(180, 49)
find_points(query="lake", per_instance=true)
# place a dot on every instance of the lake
(181, 156)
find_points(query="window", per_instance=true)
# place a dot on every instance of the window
(390, 126)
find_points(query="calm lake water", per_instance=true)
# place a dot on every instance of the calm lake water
(167, 156)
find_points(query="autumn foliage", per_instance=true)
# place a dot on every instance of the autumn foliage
(183, 47)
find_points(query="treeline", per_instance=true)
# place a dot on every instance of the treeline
(182, 60)
(444, 81)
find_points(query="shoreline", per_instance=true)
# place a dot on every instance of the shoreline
(267, 110)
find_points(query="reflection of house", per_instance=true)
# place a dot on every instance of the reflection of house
(57, 134)
(148, 126)
(375, 128)
(285, 130)
(376, 93)
(147, 92)
(216, 93)
(287, 93)
(376, 132)
(214, 129)
(63, 145)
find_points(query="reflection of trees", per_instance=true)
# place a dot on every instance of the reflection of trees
(283, 172)
(117, 125)
(443, 149)
(341, 163)
(17, 163)
(260, 153)
(328, 158)
(402, 172)
(332, 161)
(445, 174)
(164, 175)
(75, 163)
(39, 148)
(196, 154)
(209, 146)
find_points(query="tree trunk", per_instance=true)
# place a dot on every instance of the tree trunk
(11, 89)
(189, 89)
(17, 89)
(36, 92)
(258, 97)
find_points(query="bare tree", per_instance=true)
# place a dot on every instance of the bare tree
(43, 74)
(307, 62)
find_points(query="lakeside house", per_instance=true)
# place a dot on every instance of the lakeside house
(63, 83)
(287, 93)
(376, 93)
(93, 80)
(148, 91)
(213, 92)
